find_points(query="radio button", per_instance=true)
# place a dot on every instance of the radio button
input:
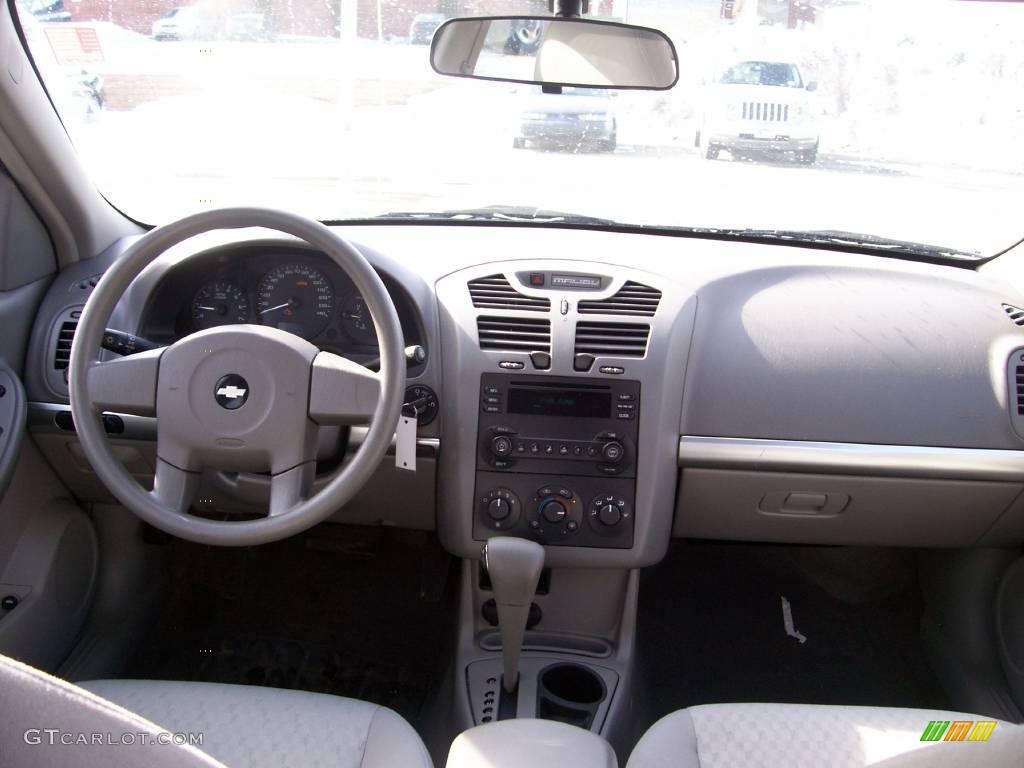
(615, 370)
(496, 391)
(501, 446)
(511, 365)
(613, 452)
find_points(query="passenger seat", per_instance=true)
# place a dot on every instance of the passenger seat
(785, 735)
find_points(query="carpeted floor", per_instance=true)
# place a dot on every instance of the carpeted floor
(711, 629)
(364, 613)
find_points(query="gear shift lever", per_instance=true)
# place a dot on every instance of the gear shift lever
(514, 566)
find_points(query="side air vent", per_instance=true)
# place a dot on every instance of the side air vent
(1019, 381)
(495, 292)
(62, 350)
(1016, 314)
(514, 334)
(632, 299)
(612, 339)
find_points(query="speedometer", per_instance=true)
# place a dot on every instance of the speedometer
(296, 298)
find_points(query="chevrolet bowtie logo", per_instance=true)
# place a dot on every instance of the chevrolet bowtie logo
(231, 391)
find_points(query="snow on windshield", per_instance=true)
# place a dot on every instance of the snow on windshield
(895, 118)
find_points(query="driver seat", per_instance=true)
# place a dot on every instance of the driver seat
(43, 721)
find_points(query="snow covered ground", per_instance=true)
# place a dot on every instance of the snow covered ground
(921, 102)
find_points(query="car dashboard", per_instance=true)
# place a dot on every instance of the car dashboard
(601, 392)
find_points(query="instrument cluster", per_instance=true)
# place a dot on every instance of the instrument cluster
(297, 290)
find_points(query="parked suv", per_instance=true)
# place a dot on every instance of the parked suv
(760, 108)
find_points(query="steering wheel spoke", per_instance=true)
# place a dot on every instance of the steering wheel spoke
(174, 488)
(289, 488)
(341, 391)
(126, 384)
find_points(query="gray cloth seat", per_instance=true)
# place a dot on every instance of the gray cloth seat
(241, 726)
(777, 735)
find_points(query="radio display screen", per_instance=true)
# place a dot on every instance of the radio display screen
(560, 402)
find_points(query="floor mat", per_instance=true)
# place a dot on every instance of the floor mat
(353, 612)
(712, 629)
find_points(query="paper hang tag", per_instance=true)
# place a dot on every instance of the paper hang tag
(405, 444)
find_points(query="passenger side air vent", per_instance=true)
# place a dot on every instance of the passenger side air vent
(612, 339)
(62, 350)
(514, 334)
(1019, 375)
(495, 292)
(632, 299)
(1016, 314)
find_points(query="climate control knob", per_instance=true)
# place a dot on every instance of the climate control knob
(553, 511)
(613, 452)
(498, 509)
(609, 515)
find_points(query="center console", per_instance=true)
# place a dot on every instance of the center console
(556, 459)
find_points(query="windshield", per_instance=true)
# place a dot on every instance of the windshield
(892, 119)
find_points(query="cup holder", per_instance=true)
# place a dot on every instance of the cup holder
(569, 693)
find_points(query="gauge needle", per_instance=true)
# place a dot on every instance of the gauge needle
(206, 309)
(279, 306)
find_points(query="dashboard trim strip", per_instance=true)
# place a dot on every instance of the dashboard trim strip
(41, 418)
(851, 458)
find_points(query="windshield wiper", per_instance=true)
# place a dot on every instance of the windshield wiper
(510, 213)
(841, 238)
(831, 237)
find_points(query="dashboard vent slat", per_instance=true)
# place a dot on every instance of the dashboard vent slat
(612, 339)
(632, 299)
(1020, 390)
(495, 292)
(1016, 314)
(514, 334)
(62, 350)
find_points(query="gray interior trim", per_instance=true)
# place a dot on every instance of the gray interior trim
(851, 458)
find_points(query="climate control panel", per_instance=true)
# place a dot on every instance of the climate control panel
(580, 511)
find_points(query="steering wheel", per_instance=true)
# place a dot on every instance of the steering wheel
(239, 398)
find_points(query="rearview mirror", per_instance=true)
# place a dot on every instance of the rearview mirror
(547, 50)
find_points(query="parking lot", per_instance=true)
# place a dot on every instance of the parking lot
(343, 132)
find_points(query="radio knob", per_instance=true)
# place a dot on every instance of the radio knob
(498, 509)
(501, 446)
(609, 514)
(553, 511)
(613, 451)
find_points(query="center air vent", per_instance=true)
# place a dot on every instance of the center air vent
(495, 292)
(62, 349)
(632, 299)
(514, 334)
(612, 339)
(1016, 314)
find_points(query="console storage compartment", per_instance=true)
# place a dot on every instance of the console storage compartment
(529, 744)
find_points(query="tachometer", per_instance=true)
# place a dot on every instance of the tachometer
(219, 303)
(296, 298)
